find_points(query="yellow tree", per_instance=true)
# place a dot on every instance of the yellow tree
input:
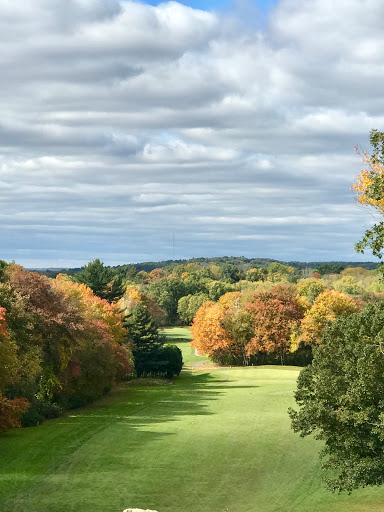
(229, 299)
(133, 296)
(369, 188)
(92, 307)
(329, 305)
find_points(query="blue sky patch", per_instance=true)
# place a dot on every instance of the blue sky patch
(209, 5)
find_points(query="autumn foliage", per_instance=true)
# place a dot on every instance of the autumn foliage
(11, 412)
(279, 322)
(369, 188)
(264, 324)
(60, 346)
(367, 183)
(3, 323)
(329, 305)
(208, 335)
(275, 313)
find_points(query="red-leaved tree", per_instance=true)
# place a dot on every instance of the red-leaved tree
(275, 313)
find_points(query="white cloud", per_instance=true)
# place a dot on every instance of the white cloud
(122, 123)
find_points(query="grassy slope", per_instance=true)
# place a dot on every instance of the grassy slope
(212, 441)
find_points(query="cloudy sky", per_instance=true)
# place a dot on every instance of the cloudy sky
(228, 126)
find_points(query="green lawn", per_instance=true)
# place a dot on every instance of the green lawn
(210, 442)
(181, 336)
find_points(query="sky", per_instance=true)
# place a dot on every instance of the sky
(226, 127)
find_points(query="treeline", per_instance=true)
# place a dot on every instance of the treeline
(326, 267)
(131, 269)
(62, 345)
(173, 296)
(226, 330)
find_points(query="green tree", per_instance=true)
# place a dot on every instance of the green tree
(146, 340)
(217, 289)
(130, 272)
(151, 356)
(349, 284)
(103, 281)
(310, 288)
(277, 272)
(230, 273)
(170, 361)
(167, 293)
(256, 274)
(188, 306)
(329, 268)
(340, 399)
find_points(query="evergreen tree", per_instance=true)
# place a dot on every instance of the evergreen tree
(103, 281)
(151, 356)
(146, 340)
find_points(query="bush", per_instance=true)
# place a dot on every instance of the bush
(170, 361)
(31, 418)
(49, 410)
(39, 411)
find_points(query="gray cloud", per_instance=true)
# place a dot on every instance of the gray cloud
(122, 124)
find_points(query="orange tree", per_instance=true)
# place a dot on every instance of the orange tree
(209, 335)
(275, 313)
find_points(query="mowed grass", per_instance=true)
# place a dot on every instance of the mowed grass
(210, 442)
(181, 336)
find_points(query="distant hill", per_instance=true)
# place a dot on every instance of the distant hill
(147, 266)
(241, 260)
(220, 260)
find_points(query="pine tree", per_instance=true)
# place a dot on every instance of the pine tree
(103, 281)
(147, 341)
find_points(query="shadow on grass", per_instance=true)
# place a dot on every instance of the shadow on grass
(123, 421)
(148, 401)
(144, 402)
(109, 436)
(140, 403)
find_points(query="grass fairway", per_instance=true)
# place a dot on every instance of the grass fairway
(213, 441)
(181, 336)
